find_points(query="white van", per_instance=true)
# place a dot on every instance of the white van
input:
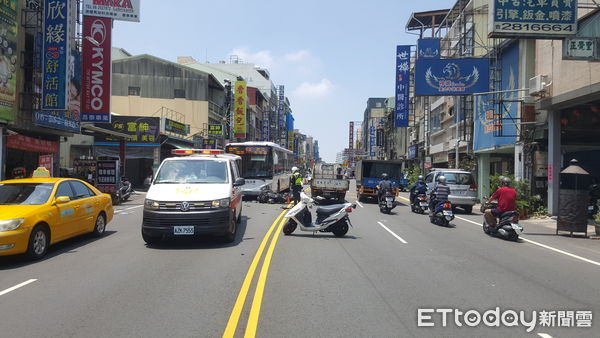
(195, 194)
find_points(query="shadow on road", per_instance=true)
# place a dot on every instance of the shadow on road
(65, 247)
(202, 242)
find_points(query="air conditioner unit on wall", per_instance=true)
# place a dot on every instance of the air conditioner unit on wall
(537, 85)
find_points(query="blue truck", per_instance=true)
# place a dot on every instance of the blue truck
(368, 174)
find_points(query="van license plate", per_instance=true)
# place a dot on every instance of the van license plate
(183, 230)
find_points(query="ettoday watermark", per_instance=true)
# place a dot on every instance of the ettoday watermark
(497, 317)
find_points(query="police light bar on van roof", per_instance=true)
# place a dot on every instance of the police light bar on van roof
(183, 152)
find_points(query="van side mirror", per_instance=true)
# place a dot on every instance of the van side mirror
(239, 182)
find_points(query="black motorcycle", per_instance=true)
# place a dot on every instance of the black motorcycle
(508, 226)
(125, 191)
(420, 205)
(442, 213)
(387, 202)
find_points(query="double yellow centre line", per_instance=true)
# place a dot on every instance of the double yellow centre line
(252, 324)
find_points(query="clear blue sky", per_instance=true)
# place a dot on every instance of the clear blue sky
(331, 55)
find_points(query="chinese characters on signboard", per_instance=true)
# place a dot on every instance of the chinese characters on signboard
(174, 127)
(452, 76)
(282, 117)
(529, 18)
(69, 119)
(96, 70)
(239, 110)
(107, 174)
(141, 129)
(412, 151)
(402, 85)
(372, 141)
(265, 130)
(581, 48)
(55, 55)
(47, 161)
(290, 140)
(209, 143)
(125, 10)
(215, 129)
(8, 59)
(34, 145)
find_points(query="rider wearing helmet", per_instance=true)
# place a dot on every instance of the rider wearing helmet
(384, 185)
(296, 184)
(439, 193)
(418, 188)
(507, 201)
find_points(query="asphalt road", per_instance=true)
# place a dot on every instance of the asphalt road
(370, 283)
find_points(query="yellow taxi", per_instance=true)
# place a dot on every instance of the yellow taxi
(37, 212)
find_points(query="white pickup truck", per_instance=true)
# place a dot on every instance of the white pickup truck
(326, 184)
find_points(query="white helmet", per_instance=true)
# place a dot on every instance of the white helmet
(294, 169)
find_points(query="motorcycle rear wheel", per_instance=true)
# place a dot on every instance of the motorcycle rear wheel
(341, 228)
(289, 227)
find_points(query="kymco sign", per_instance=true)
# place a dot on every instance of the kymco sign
(96, 69)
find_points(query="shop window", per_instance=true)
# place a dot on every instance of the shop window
(179, 93)
(134, 91)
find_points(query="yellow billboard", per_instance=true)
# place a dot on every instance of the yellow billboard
(239, 110)
(291, 140)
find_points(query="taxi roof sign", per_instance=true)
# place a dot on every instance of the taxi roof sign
(41, 172)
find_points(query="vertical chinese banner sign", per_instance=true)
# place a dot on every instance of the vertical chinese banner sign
(96, 69)
(55, 55)
(239, 109)
(402, 85)
(8, 59)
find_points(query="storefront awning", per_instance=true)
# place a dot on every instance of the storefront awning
(97, 129)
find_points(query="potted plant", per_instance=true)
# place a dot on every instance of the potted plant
(597, 221)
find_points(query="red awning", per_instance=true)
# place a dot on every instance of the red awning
(26, 143)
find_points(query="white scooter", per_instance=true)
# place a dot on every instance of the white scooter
(333, 218)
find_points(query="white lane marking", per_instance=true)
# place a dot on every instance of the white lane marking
(3, 292)
(122, 210)
(544, 246)
(404, 198)
(393, 234)
(360, 205)
(544, 335)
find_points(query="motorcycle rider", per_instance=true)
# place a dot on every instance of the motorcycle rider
(296, 184)
(418, 188)
(439, 193)
(507, 201)
(383, 186)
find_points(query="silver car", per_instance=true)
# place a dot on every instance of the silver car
(463, 190)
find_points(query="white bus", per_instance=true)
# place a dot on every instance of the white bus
(265, 165)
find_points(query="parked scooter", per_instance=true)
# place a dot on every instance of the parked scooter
(333, 218)
(442, 214)
(125, 190)
(387, 202)
(420, 204)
